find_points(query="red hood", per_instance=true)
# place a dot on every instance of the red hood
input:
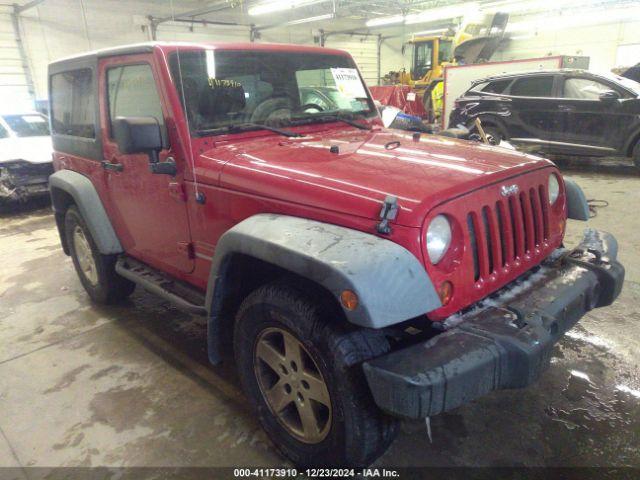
(355, 181)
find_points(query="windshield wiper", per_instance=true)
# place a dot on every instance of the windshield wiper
(243, 127)
(335, 117)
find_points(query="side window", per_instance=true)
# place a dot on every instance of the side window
(499, 86)
(73, 103)
(533, 86)
(132, 92)
(3, 132)
(583, 89)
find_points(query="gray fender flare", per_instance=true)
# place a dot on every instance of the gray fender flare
(88, 202)
(391, 283)
(577, 206)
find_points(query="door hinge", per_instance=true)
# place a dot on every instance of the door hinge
(186, 249)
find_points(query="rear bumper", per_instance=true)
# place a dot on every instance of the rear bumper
(505, 345)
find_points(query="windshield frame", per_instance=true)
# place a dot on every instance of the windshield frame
(365, 116)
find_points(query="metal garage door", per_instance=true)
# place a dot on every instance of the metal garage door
(16, 88)
(364, 51)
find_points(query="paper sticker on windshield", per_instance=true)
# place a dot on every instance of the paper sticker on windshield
(348, 82)
(33, 119)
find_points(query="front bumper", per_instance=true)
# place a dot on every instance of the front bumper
(505, 344)
(20, 180)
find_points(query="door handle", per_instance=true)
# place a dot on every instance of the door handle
(566, 108)
(115, 167)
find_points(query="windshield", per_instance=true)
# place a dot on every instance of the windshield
(226, 88)
(31, 125)
(625, 82)
(446, 51)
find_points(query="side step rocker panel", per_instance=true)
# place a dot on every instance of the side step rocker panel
(183, 296)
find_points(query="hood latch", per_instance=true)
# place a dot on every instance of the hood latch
(389, 212)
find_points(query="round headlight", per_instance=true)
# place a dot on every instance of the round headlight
(438, 238)
(554, 188)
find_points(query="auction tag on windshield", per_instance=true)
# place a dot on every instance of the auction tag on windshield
(348, 82)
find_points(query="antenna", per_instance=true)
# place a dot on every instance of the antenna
(192, 160)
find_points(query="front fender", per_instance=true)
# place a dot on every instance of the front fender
(577, 206)
(391, 284)
(88, 202)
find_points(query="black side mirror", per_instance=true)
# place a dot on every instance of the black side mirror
(138, 135)
(609, 96)
(143, 135)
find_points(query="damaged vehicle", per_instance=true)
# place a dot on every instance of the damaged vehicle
(25, 156)
(355, 274)
(560, 112)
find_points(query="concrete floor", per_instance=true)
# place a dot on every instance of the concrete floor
(82, 385)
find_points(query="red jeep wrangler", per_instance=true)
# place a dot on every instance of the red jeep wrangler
(362, 274)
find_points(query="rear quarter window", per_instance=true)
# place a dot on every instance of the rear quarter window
(498, 86)
(73, 99)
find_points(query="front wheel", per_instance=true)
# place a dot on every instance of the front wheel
(301, 370)
(493, 134)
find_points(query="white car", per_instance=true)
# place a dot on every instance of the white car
(25, 156)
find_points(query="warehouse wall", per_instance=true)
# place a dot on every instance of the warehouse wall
(15, 84)
(602, 43)
(599, 42)
(59, 28)
(56, 29)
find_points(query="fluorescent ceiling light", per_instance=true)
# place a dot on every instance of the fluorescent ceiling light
(431, 15)
(377, 22)
(431, 32)
(280, 5)
(444, 13)
(317, 18)
(510, 6)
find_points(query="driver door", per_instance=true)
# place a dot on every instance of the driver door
(148, 210)
(588, 121)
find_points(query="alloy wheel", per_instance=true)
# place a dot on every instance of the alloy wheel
(85, 256)
(292, 385)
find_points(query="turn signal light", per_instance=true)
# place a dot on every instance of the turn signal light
(445, 292)
(349, 300)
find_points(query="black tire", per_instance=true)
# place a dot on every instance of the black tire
(494, 134)
(108, 287)
(359, 432)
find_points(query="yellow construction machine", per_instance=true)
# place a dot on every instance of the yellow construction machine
(474, 43)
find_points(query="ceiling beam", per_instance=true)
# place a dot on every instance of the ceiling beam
(21, 8)
(217, 6)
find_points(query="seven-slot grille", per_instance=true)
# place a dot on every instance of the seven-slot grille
(507, 230)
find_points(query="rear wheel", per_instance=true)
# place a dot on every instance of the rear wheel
(636, 155)
(96, 271)
(301, 369)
